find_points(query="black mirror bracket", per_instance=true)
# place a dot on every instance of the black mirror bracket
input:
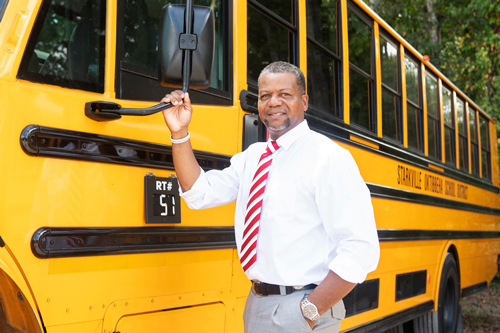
(106, 111)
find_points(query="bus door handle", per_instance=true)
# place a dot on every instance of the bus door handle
(106, 111)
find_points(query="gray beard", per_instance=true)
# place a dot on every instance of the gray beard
(286, 124)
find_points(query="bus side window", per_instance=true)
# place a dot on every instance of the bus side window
(484, 129)
(474, 153)
(323, 61)
(463, 161)
(391, 91)
(449, 126)
(66, 46)
(137, 52)
(361, 73)
(414, 114)
(271, 36)
(433, 116)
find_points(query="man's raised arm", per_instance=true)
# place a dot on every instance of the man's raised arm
(177, 119)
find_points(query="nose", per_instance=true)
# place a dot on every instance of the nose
(275, 100)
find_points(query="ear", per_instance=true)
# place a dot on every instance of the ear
(305, 101)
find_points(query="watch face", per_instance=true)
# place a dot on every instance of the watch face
(310, 311)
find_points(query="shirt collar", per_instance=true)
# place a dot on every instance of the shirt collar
(287, 139)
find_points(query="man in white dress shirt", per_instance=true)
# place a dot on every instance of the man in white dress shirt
(316, 237)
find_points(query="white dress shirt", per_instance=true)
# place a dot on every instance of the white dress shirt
(316, 211)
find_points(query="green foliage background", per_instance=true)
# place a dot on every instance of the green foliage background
(461, 38)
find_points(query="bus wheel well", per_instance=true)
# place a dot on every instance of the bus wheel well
(16, 314)
(453, 250)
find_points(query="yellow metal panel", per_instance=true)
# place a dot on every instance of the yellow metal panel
(302, 37)
(388, 214)
(110, 67)
(240, 308)
(403, 97)
(363, 141)
(378, 75)
(424, 111)
(345, 60)
(204, 318)
(493, 153)
(240, 283)
(424, 257)
(435, 167)
(378, 169)
(239, 47)
(478, 129)
(94, 326)
(15, 28)
(239, 63)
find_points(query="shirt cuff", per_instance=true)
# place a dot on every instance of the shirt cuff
(197, 191)
(347, 269)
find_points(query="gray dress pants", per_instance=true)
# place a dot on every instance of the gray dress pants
(276, 313)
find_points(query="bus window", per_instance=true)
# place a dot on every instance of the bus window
(474, 158)
(413, 105)
(449, 127)
(462, 135)
(361, 80)
(433, 116)
(137, 52)
(3, 5)
(281, 8)
(66, 47)
(485, 146)
(323, 61)
(391, 96)
(269, 37)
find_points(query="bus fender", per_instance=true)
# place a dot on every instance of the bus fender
(448, 248)
(16, 300)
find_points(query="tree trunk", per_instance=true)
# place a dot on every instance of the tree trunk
(434, 28)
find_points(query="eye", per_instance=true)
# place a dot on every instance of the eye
(264, 97)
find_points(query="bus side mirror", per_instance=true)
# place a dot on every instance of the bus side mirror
(185, 54)
(186, 51)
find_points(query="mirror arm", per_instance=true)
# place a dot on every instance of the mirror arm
(106, 111)
(186, 68)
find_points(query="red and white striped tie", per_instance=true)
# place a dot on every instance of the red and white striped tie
(248, 253)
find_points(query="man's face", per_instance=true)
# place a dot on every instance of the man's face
(281, 103)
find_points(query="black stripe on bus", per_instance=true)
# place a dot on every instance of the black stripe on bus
(52, 142)
(385, 192)
(474, 289)
(335, 129)
(74, 242)
(77, 242)
(397, 235)
(398, 318)
(60, 143)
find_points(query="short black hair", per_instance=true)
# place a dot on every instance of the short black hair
(286, 67)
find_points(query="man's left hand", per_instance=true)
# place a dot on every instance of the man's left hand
(310, 322)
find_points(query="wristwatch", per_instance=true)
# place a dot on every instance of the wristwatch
(309, 309)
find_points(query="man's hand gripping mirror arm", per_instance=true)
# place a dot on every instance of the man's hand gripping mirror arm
(177, 119)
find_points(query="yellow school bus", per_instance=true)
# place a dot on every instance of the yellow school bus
(93, 235)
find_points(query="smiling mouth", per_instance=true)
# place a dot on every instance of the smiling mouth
(276, 114)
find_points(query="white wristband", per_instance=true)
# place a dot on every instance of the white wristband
(184, 139)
